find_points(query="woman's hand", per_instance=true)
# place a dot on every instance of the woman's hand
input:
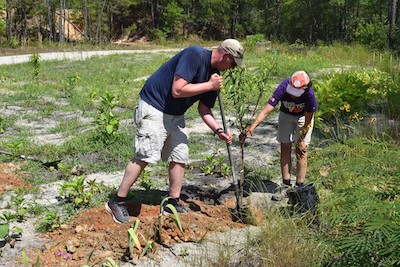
(246, 132)
(302, 147)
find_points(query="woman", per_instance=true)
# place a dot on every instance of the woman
(295, 124)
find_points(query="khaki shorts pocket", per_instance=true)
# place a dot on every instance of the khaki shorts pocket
(143, 145)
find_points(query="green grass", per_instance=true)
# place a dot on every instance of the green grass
(359, 200)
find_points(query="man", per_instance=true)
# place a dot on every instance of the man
(190, 76)
(295, 124)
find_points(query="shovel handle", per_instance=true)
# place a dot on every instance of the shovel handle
(228, 146)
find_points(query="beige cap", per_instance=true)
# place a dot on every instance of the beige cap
(235, 48)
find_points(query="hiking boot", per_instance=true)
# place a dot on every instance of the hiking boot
(118, 211)
(176, 203)
(282, 192)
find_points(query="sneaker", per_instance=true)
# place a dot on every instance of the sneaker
(281, 192)
(118, 211)
(176, 203)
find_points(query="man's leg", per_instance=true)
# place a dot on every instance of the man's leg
(116, 206)
(132, 172)
(176, 176)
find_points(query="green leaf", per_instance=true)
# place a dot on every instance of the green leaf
(78, 201)
(4, 228)
(110, 129)
(38, 260)
(176, 216)
(111, 262)
(21, 212)
(149, 244)
(133, 241)
(17, 230)
(25, 259)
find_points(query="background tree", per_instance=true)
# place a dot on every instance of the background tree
(373, 22)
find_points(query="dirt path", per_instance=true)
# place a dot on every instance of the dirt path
(17, 59)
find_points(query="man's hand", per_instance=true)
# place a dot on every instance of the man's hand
(216, 82)
(227, 137)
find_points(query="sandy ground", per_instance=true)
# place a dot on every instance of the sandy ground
(84, 233)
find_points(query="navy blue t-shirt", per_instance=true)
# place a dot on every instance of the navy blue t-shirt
(192, 64)
(294, 105)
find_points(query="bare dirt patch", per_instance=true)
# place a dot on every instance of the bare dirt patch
(93, 233)
(8, 179)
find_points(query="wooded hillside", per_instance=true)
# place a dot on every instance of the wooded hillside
(371, 22)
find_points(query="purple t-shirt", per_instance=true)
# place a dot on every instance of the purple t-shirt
(192, 64)
(293, 105)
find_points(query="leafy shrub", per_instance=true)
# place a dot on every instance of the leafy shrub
(393, 96)
(50, 221)
(252, 40)
(360, 208)
(145, 180)
(107, 121)
(171, 18)
(77, 192)
(373, 33)
(3, 26)
(341, 94)
(35, 61)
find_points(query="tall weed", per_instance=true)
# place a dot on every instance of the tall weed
(360, 207)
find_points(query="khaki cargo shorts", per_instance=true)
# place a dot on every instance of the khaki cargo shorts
(159, 136)
(289, 127)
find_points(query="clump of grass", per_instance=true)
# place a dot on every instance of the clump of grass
(285, 242)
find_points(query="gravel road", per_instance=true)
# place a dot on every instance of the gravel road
(81, 55)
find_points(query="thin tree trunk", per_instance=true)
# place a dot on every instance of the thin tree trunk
(23, 26)
(235, 18)
(110, 23)
(311, 25)
(278, 19)
(392, 20)
(61, 23)
(100, 21)
(266, 17)
(51, 18)
(343, 25)
(86, 20)
(9, 8)
(153, 14)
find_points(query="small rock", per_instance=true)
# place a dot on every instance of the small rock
(72, 245)
(79, 229)
(105, 254)
(78, 170)
(12, 242)
(9, 187)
